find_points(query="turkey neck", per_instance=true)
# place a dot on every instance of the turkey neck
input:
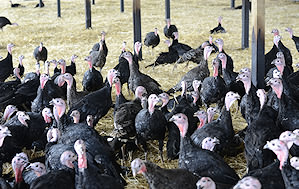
(71, 93)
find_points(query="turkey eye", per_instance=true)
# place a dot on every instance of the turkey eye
(36, 165)
(273, 144)
(179, 116)
(209, 139)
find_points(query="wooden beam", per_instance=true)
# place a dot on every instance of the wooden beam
(87, 14)
(258, 43)
(137, 23)
(167, 9)
(40, 3)
(232, 4)
(122, 7)
(93, 2)
(58, 9)
(245, 24)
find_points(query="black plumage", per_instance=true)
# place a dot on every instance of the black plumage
(92, 79)
(294, 38)
(202, 162)
(138, 78)
(169, 29)
(96, 103)
(287, 118)
(270, 176)
(150, 124)
(152, 39)
(40, 4)
(219, 28)
(166, 57)
(159, 178)
(45, 93)
(213, 88)
(222, 128)
(40, 53)
(199, 72)
(6, 64)
(181, 48)
(250, 104)
(72, 95)
(290, 175)
(5, 21)
(14, 5)
(258, 132)
(97, 46)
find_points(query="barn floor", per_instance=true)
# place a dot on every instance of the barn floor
(194, 18)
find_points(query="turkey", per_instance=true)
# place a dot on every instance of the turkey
(40, 4)
(250, 104)
(4, 21)
(229, 65)
(200, 161)
(45, 93)
(40, 53)
(6, 64)
(166, 57)
(150, 124)
(73, 96)
(152, 39)
(205, 183)
(8, 113)
(68, 69)
(287, 117)
(219, 28)
(160, 178)
(262, 129)
(181, 48)
(21, 66)
(213, 88)
(292, 141)
(92, 79)
(295, 38)
(14, 5)
(269, 177)
(248, 182)
(88, 174)
(169, 29)
(96, 103)
(63, 178)
(18, 164)
(230, 77)
(97, 46)
(221, 128)
(200, 72)
(120, 98)
(8, 88)
(290, 173)
(138, 78)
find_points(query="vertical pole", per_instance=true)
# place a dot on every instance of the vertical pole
(122, 8)
(93, 2)
(258, 43)
(232, 4)
(40, 3)
(167, 9)
(137, 23)
(87, 14)
(245, 24)
(58, 9)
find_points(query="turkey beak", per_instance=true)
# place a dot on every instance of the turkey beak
(7, 133)
(266, 145)
(134, 172)
(216, 141)
(269, 83)
(238, 78)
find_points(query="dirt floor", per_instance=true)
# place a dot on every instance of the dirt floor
(194, 18)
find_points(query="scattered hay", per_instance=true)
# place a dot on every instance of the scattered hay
(194, 18)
